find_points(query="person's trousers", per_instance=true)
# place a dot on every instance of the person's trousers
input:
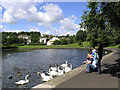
(89, 66)
(99, 67)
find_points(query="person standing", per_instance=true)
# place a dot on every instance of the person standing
(100, 53)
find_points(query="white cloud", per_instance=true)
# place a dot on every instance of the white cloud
(69, 23)
(8, 18)
(59, 32)
(17, 1)
(47, 15)
(13, 31)
(47, 32)
(1, 26)
(52, 14)
(15, 10)
(34, 30)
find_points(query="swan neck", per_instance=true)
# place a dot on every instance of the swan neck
(26, 78)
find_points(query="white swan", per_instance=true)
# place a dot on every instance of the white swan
(60, 72)
(64, 65)
(68, 69)
(45, 77)
(53, 68)
(52, 73)
(21, 82)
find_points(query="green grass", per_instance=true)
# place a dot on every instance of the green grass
(117, 46)
(76, 45)
(52, 46)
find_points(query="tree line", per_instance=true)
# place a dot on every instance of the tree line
(9, 38)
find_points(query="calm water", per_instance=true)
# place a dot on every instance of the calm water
(36, 61)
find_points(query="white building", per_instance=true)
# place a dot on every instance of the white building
(26, 37)
(50, 42)
(44, 40)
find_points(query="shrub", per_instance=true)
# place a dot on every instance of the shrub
(56, 42)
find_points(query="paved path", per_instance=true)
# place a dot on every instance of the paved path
(108, 78)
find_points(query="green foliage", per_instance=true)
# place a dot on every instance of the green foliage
(80, 42)
(21, 41)
(36, 44)
(9, 38)
(102, 22)
(86, 44)
(81, 36)
(24, 33)
(56, 42)
(63, 41)
(35, 37)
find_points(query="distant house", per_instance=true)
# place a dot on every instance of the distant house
(44, 40)
(50, 42)
(26, 37)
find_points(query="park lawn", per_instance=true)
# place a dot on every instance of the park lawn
(117, 46)
(52, 46)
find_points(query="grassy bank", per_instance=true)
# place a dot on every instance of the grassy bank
(117, 46)
(52, 46)
(76, 45)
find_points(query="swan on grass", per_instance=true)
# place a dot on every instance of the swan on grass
(45, 77)
(21, 82)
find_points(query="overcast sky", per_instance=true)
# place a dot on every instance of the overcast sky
(56, 18)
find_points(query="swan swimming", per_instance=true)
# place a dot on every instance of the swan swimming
(45, 77)
(21, 82)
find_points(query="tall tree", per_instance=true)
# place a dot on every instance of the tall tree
(102, 22)
(35, 36)
(81, 36)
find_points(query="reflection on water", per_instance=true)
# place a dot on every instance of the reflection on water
(16, 65)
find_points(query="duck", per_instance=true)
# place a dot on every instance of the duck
(10, 77)
(44, 77)
(16, 68)
(68, 69)
(65, 64)
(18, 73)
(27, 72)
(21, 82)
